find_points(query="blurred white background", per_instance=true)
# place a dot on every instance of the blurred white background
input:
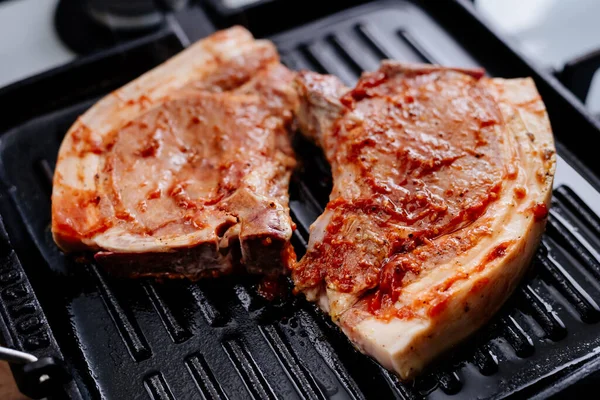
(28, 42)
(549, 32)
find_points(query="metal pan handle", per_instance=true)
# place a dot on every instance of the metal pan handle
(38, 378)
(15, 356)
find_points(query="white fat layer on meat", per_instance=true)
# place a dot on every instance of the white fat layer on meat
(407, 345)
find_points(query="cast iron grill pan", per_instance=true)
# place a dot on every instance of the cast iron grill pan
(220, 339)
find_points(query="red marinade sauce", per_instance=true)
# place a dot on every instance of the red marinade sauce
(427, 160)
(540, 211)
(271, 288)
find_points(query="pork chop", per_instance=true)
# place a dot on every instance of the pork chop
(442, 182)
(184, 172)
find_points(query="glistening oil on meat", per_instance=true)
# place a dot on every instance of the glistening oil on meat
(427, 230)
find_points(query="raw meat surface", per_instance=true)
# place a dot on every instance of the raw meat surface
(442, 179)
(184, 172)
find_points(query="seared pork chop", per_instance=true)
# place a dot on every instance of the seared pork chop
(442, 179)
(184, 172)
